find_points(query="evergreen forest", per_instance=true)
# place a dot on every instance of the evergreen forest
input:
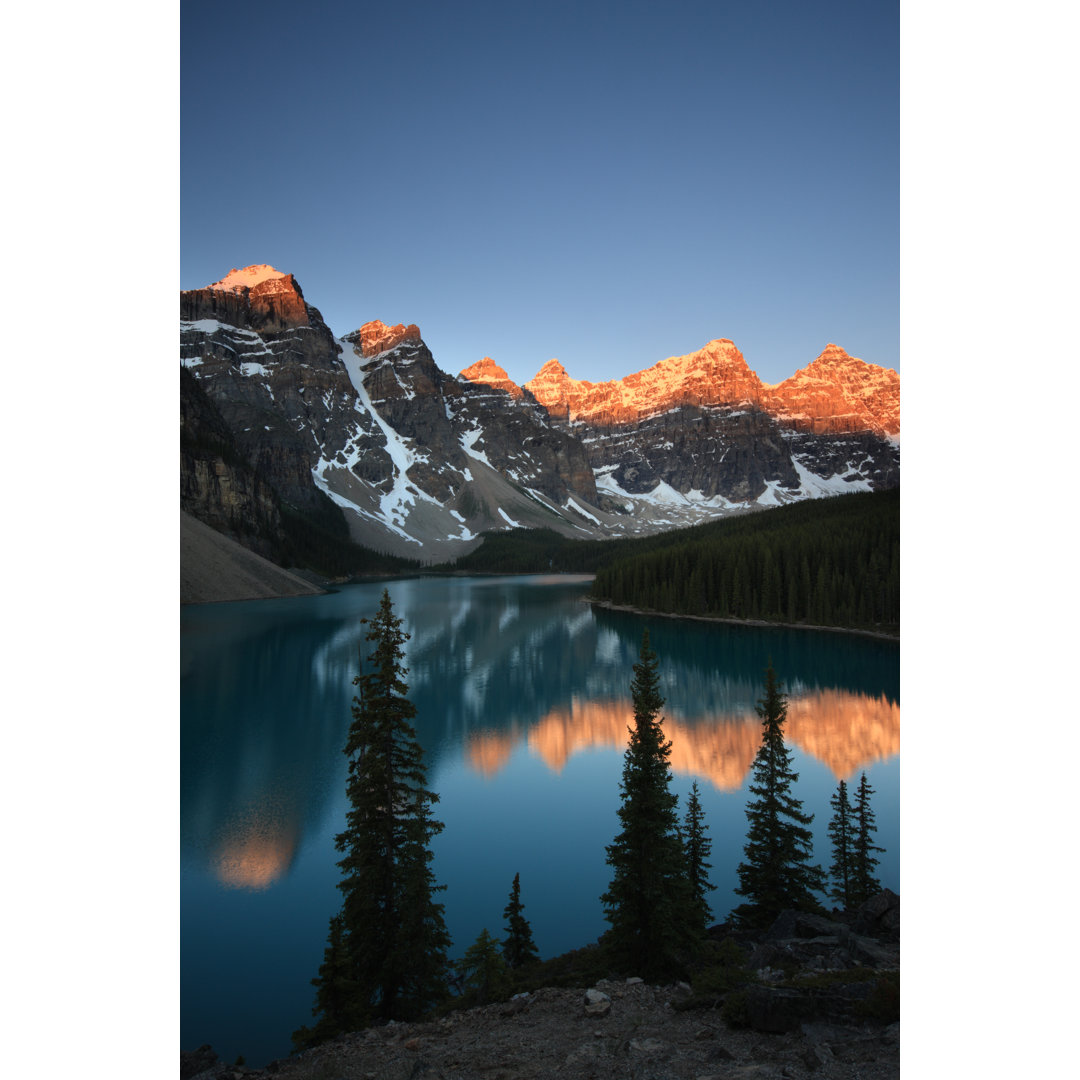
(833, 562)
(824, 562)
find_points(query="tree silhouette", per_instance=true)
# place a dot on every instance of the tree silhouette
(865, 884)
(777, 872)
(842, 844)
(649, 903)
(518, 947)
(386, 953)
(697, 848)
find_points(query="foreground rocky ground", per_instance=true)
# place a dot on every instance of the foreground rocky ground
(818, 1005)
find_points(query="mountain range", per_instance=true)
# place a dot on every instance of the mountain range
(286, 426)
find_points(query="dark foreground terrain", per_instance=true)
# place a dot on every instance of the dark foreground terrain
(821, 1000)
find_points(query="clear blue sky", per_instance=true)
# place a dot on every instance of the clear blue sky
(606, 183)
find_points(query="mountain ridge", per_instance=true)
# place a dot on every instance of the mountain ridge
(834, 392)
(366, 434)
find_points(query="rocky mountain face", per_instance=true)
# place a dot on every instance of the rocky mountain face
(376, 337)
(704, 427)
(713, 375)
(272, 369)
(217, 485)
(838, 394)
(365, 435)
(489, 373)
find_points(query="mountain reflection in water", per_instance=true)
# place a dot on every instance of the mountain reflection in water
(846, 730)
(522, 694)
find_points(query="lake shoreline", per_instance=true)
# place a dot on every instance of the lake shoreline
(329, 585)
(760, 624)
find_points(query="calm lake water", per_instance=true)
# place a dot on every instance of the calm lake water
(523, 698)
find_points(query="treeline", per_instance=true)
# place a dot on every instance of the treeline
(321, 543)
(537, 551)
(830, 562)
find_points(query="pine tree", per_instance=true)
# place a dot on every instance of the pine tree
(518, 947)
(386, 954)
(484, 970)
(649, 903)
(697, 847)
(842, 845)
(777, 872)
(864, 884)
(335, 992)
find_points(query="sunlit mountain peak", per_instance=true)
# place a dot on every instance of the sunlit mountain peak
(247, 278)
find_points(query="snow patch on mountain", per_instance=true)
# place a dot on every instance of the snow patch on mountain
(771, 496)
(813, 486)
(403, 494)
(573, 504)
(468, 444)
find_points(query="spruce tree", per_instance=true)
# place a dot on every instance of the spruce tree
(843, 847)
(484, 970)
(386, 955)
(864, 884)
(777, 872)
(518, 947)
(335, 992)
(648, 903)
(697, 847)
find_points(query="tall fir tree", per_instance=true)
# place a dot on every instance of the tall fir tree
(777, 872)
(697, 847)
(649, 902)
(840, 833)
(518, 946)
(864, 883)
(386, 953)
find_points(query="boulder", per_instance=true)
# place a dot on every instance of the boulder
(802, 924)
(648, 1046)
(597, 1003)
(775, 1010)
(193, 1062)
(880, 916)
(868, 952)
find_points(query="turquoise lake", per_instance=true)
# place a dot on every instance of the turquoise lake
(523, 698)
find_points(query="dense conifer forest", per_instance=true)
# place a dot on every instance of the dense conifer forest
(537, 551)
(826, 562)
(830, 563)
(321, 543)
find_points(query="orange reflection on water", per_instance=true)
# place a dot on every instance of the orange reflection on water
(489, 751)
(256, 853)
(845, 730)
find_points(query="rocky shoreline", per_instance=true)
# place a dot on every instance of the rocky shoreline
(881, 635)
(821, 1000)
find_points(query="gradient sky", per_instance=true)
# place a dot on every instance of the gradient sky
(606, 183)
